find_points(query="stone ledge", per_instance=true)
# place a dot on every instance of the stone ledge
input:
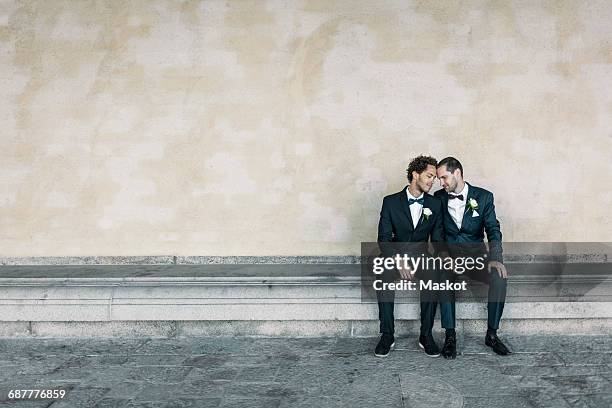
(600, 257)
(61, 294)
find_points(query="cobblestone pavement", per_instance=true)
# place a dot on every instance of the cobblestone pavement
(545, 371)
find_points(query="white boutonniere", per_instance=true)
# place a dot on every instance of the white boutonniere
(426, 213)
(473, 204)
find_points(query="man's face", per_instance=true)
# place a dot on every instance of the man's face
(426, 178)
(448, 180)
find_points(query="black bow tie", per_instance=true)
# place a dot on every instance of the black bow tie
(416, 200)
(459, 196)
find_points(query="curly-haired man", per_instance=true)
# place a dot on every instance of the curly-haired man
(410, 216)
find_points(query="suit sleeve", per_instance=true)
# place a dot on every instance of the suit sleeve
(385, 230)
(385, 227)
(493, 230)
(438, 237)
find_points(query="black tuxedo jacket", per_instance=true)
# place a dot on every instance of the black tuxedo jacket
(473, 227)
(396, 223)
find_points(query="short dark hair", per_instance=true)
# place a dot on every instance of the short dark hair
(419, 164)
(451, 164)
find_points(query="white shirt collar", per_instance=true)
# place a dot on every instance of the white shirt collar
(413, 197)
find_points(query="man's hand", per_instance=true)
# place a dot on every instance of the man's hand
(501, 269)
(406, 273)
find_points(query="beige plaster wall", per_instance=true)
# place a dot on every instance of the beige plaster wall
(276, 127)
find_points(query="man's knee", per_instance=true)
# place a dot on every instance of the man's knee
(497, 281)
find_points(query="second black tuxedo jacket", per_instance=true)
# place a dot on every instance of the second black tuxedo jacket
(474, 226)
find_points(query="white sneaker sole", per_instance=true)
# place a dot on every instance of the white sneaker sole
(385, 355)
(428, 355)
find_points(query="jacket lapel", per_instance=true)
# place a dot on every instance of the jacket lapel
(426, 204)
(406, 207)
(447, 216)
(467, 213)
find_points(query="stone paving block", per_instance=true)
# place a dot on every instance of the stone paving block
(604, 370)
(540, 343)
(107, 375)
(307, 379)
(204, 361)
(263, 390)
(69, 346)
(73, 375)
(289, 347)
(482, 385)
(426, 391)
(497, 401)
(211, 374)
(107, 360)
(586, 358)
(123, 389)
(238, 361)
(257, 374)
(589, 400)
(525, 370)
(158, 374)
(215, 345)
(544, 398)
(107, 402)
(26, 404)
(530, 359)
(38, 365)
(167, 392)
(357, 345)
(323, 401)
(38, 346)
(75, 362)
(203, 388)
(483, 360)
(251, 403)
(568, 385)
(180, 346)
(177, 403)
(559, 370)
(81, 397)
(155, 360)
(97, 346)
(32, 381)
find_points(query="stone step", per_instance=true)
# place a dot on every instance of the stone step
(271, 294)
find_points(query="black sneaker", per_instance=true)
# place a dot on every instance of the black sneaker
(386, 343)
(428, 344)
(449, 350)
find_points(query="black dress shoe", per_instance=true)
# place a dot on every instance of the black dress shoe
(496, 344)
(386, 343)
(449, 350)
(428, 344)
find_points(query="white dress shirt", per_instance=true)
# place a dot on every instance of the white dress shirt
(456, 207)
(415, 208)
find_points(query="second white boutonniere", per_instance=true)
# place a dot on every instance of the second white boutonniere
(473, 204)
(426, 213)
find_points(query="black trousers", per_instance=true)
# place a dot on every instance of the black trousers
(429, 301)
(496, 297)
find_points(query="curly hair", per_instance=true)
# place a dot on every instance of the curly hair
(419, 164)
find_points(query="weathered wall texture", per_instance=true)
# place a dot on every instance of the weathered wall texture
(276, 127)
